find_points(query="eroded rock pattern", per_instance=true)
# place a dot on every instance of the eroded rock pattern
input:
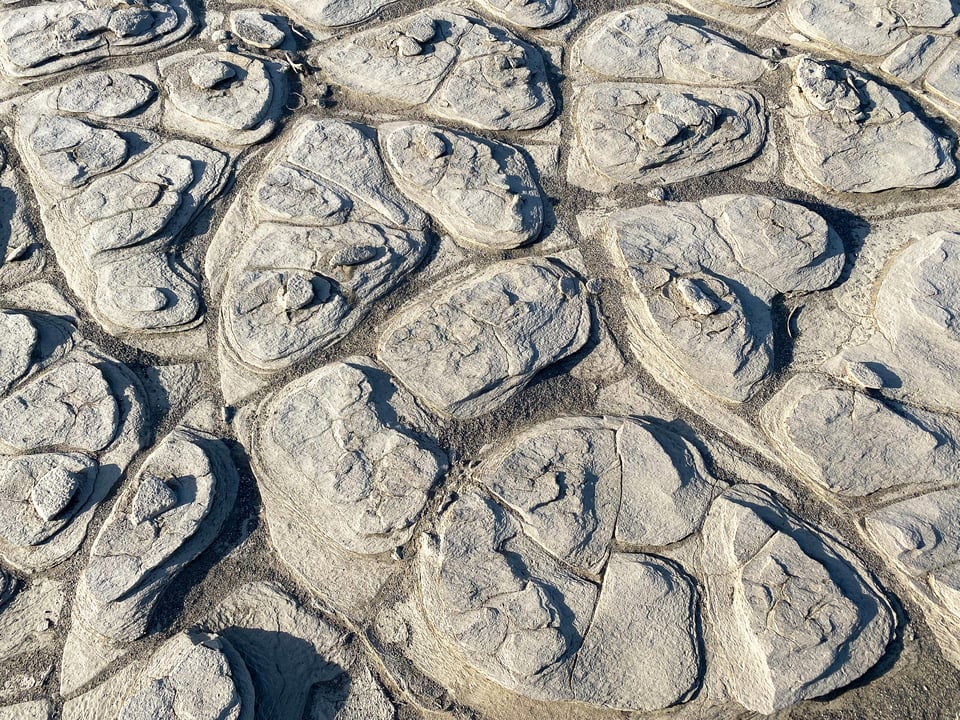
(488, 359)
(705, 276)
(452, 64)
(512, 319)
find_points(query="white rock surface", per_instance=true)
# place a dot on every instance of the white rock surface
(650, 43)
(346, 456)
(50, 37)
(322, 236)
(851, 134)
(638, 133)
(702, 278)
(512, 319)
(796, 615)
(482, 192)
(452, 65)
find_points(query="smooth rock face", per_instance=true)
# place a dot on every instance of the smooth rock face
(796, 614)
(332, 13)
(513, 319)
(517, 616)
(917, 333)
(851, 134)
(645, 43)
(192, 675)
(454, 65)
(323, 237)
(172, 511)
(705, 275)
(840, 438)
(50, 37)
(529, 13)
(346, 456)
(632, 133)
(482, 192)
(576, 483)
(644, 653)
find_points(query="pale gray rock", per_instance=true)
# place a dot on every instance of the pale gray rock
(841, 438)
(30, 710)
(462, 69)
(345, 455)
(795, 614)
(532, 14)
(30, 619)
(851, 134)
(703, 278)
(144, 544)
(41, 493)
(257, 28)
(578, 483)
(69, 427)
(943, 79)
(920, 535)
(323, 236)
(512, 319)
(334, 446)
(509, 610)
(917, 329)
(71, 151)
(332, 13)
(860, 27)
(482, 192)
(107, 94)
(50, 37)
(632, 133)
(224, 97)
(192, 675)
(641, 653)
(299, 662)
(20, 338)
(647, 43)
(913, 59)
(71, 406)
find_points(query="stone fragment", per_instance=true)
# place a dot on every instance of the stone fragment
(640, 654)
(512, 319)
(50, 37)
(257, 28)
(917, 327)
(108, 94)
(144, 544)
(841, 438)
(71, 151)
(532, 14)
(346, 455)
(576, 483)
(466, 71)
(796, 615)
(301, 665)
(192, 675)
(29, 710)
(703, 278)
(225, 97)
(30, 620)
(855, 26)
(324, 235)
(943, 79)
(332, 13)
(510, 610)
(851, 134)
(912, 60)
(72, 406)
(645, 43)
(482, 192)
(647, 134)
(519, 617)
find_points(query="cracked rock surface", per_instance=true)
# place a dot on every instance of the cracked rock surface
(479, 359)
